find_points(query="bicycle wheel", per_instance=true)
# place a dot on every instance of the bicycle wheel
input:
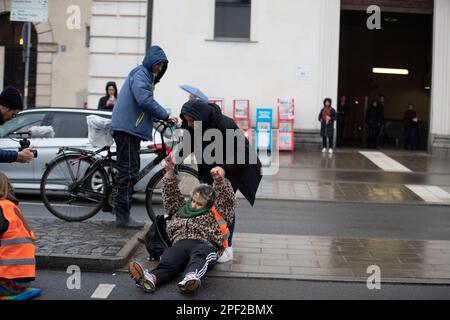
(71, 195)
(187, 180)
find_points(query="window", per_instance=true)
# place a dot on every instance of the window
(232, 19)
(22, 123)
(69, 125)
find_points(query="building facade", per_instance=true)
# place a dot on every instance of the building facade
(280, 49)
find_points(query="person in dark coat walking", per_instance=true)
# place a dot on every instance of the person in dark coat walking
(374, 121)
(327, 117)
(242, 166)
(109, 100)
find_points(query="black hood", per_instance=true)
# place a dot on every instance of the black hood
(209, 114)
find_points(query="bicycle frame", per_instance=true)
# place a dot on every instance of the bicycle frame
(99, 160)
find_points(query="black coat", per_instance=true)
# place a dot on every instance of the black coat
(375, 116)
(245, 171)
(327, 130)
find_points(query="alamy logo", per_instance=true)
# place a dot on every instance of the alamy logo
(374, 21)
(374, 280)
(74, 280)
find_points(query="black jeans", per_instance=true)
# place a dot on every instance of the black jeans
(185, 256)
(330, 142)
(128, 165)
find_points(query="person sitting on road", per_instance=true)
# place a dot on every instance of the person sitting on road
(17, 251)
(196, 229)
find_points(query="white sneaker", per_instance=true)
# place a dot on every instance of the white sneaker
(330, 151)
(226, 256)
(190, 283)
(324, 150)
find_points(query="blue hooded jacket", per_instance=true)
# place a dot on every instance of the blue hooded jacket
(136, 106)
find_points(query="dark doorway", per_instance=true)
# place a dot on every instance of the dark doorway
(403, 42)
(14, 73)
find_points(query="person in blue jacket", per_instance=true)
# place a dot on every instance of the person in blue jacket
(10, 105)
(132, 122)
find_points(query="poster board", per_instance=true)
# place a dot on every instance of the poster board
(264, 119)
(286, 122)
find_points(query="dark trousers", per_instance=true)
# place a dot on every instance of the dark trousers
(128, 165)
(410, 137)
(330, 141)
(185, 256)
(373, 134)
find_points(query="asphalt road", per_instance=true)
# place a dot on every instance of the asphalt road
(54, 287)
(390, 221)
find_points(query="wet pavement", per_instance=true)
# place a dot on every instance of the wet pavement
(347, 175)
(353, 175)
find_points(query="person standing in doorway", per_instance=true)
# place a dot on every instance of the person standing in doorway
(109, 100)
(342, 112)
(381, 107)
(327, 117)
(374, 120)
(411, 123)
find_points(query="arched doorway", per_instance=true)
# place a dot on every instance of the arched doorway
(14, 67)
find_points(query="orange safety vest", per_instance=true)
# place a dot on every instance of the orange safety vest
(17, 251)
(223, 227)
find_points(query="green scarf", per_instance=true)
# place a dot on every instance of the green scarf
(186, 210)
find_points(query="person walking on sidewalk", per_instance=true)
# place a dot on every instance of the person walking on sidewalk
(194, 230)
(327, 117)
(132, 122)
(17, 251)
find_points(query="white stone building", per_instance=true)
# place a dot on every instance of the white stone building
(283, 38)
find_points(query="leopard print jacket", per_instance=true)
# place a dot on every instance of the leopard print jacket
(204, 227)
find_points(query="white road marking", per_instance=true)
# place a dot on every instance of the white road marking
(384, 162)
(103, 291)
(430, 193)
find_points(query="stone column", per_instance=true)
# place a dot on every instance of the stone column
(440, 94)
(327, 74)
(2, 66)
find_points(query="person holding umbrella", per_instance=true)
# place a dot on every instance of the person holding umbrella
(243, 169)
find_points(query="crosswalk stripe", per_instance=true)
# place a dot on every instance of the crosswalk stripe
(430, 193)
(103, 291)
(384, 162)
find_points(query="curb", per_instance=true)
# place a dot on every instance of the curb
(266, 276)
(92, 262)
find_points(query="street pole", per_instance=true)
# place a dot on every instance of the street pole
(27, 47)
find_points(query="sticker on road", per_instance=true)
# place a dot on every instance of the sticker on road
(103, 291)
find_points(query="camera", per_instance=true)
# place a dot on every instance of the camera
(25, 143)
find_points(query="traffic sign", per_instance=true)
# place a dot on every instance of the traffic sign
(29, 10)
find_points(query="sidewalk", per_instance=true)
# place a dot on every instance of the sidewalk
(348, 175)
(345, 176)
(99, 246)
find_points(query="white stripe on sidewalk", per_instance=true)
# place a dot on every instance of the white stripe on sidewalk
(103, 291)
(430, 193)
(384, 162)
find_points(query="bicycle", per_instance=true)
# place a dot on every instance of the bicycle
(78, 183)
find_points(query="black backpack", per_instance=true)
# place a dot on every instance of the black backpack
(156, 240)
